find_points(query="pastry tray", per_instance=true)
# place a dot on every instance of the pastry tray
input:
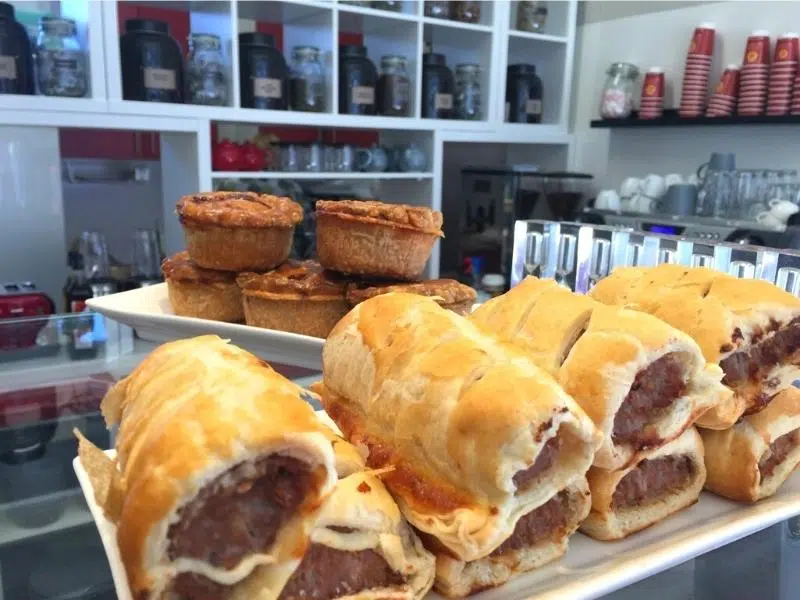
(590, 568)
(148, 311)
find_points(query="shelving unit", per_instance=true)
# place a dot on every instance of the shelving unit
(318, 175)
(672, 119)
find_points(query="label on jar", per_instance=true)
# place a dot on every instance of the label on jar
(265, 87)
(533, 107)
(160, 79)
(8, 67)
(363, 94)
(443, 102)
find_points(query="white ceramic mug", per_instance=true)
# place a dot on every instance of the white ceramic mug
(782, 209)
(629, 187)
(607, 200)
(653, 186)
(641, 203)
(673, 179)
(769, 220)
(693, 179)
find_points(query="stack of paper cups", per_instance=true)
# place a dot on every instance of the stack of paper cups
(697, 71)
(652, 103)
(782, 74)
(755, 73)
(796, 96)
(723, 100)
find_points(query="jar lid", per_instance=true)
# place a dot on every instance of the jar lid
(393, 58)
(309, 50)
(146, 25)
(433, 58)
(256, 38)
(352, 50)
(521, 69)
(624, 67)
(6, 10)
(468, 67)
(57, 25)
(493, 280)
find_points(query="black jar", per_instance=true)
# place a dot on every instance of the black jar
(393, 86)
(16, 60)
(357, 81)
(152, 62)
(263, 73)
(523, 94)
(438, 87)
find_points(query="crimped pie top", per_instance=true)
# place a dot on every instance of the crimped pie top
(239, 209)
(182, 268)
(295, 277)
(382, 213)
(447, 291)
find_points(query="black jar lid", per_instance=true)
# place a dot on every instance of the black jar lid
(352, 50)
(6, 10)
(433, 58)
(256, 38)
(146, 25)
(522, 69)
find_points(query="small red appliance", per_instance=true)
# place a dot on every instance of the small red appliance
(20, 304)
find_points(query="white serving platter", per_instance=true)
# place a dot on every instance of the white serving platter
(590, 568)
(148, 311)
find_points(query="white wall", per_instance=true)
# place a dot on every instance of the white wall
(661, 39)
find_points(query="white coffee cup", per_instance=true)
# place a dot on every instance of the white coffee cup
(630, 187)
(673, 179)
(768, 220)
(641, 203)
(782, 209)
(607, 200)
(693, 179)
(653, 186)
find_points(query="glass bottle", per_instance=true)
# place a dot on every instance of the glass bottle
(466, 11)
(468, 92)
(438, 87)
(206, 74)
(60, 61)
(392, 5)
(307, 83)
(393, 86)
(440, 10)
(531, 16)
(617, 99)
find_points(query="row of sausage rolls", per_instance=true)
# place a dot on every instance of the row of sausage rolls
(226, 486)
(749, 327)
(484, 452)
(642, 382)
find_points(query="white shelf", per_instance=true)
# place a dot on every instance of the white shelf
(314, 175)
(75, 514)
(376, 12)
(541, 37)
(51, 103)
(436, 22)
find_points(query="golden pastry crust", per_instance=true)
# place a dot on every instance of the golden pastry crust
(448, 293)
(239, 209)
(296, 278)
(397, 215)
(201, 293)
(299, 297)
(378, 240)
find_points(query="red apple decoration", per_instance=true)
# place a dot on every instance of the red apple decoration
(226, 156)
(252, 157)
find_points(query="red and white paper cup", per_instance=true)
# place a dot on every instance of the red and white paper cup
(702, 44)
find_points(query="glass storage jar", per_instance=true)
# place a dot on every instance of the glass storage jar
(468, 92)
(152, 62)
(531, 16)
(393, 5)
(440, 10)
(307, 80)
(524, 93)
(205, 71)
(466, 11)
(393, 87)
(16, 62)
(263, 74)
(60, 61)
(437, 87)
(617, 99)
(357, 81)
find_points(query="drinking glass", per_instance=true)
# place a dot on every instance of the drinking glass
(329, 159)
(666, 257)
(565, 265)
(601, 261)
(742, 269)
(314, 157)
(534, 253)
(789, 280)
(290, 158)
(702, 260)
(345, 158)
(633, 255)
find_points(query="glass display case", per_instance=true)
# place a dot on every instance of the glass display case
(50, 548)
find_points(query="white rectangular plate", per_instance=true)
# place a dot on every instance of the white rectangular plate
(590, 568)
(148, 311)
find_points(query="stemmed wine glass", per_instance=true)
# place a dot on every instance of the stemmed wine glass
(601, 261)
(702, 260)
(666, 256)
(633, 255)
(789, 280)
(742, 269)
(565, 265)
(534, 253)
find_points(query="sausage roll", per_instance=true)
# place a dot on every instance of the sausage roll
(224, 469)
(362, 547)
(476, 436)
(641, 381)
(660, 483)
(750, 327)
(539, 537)
(752, 459)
